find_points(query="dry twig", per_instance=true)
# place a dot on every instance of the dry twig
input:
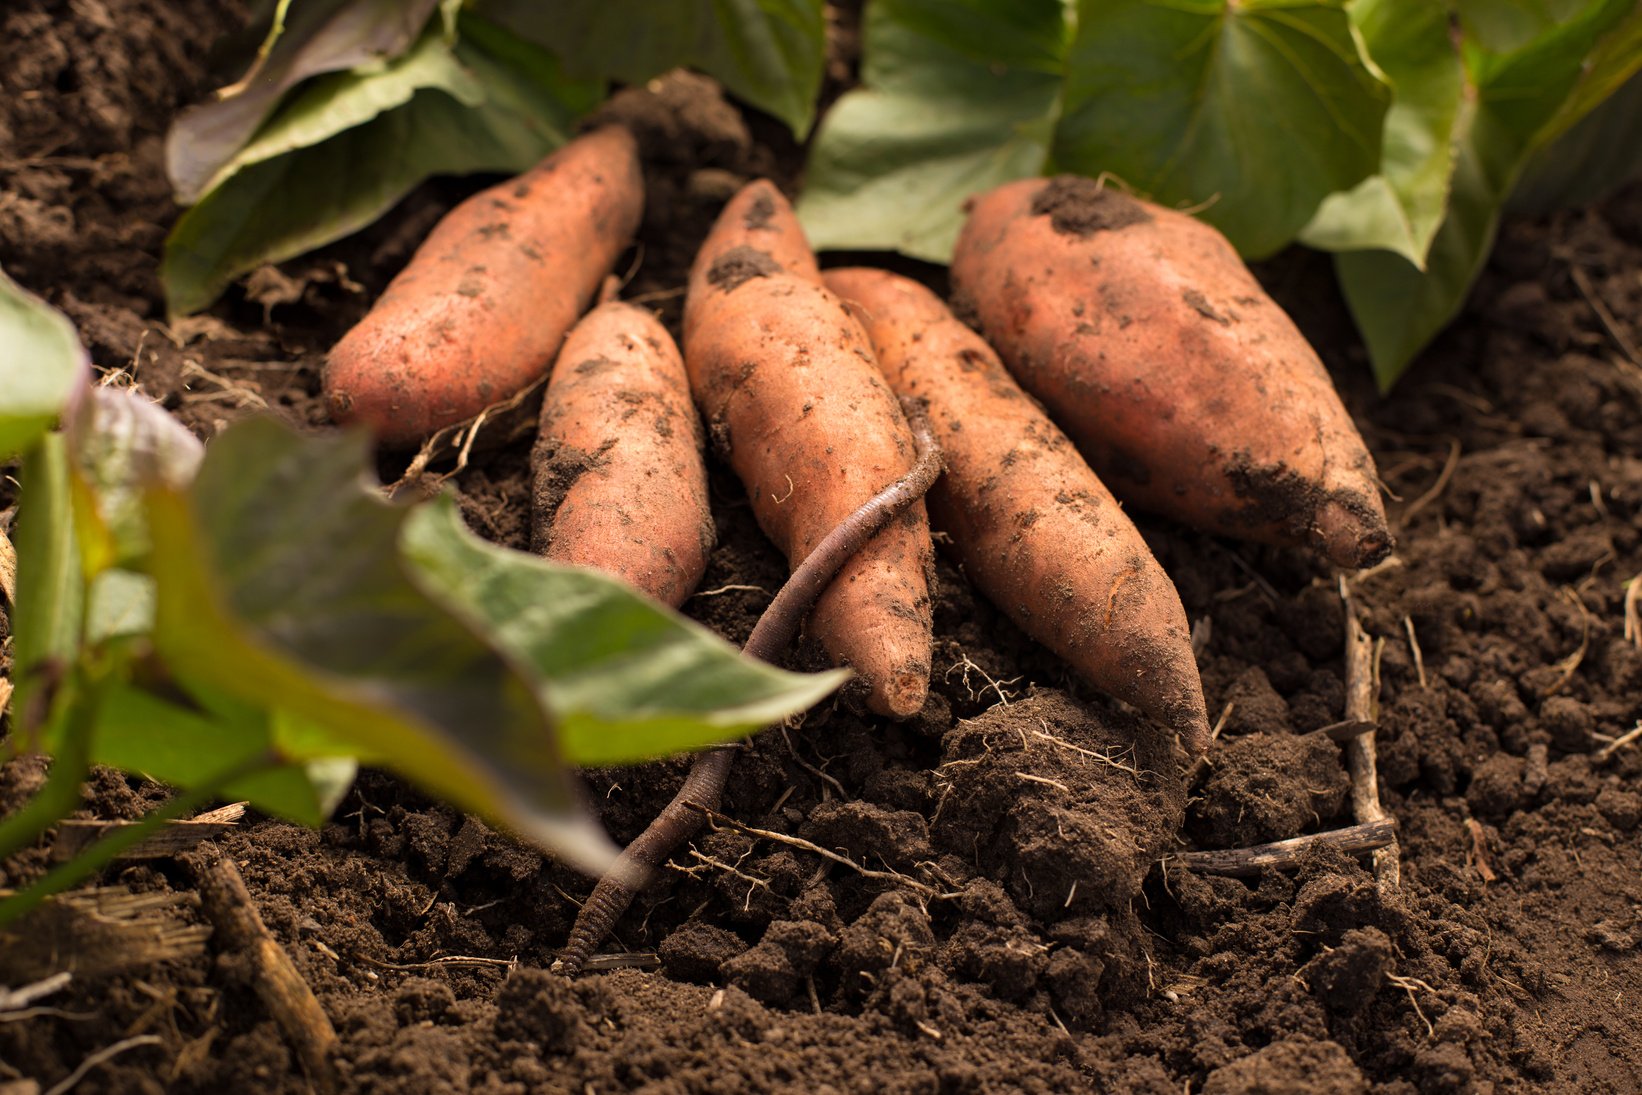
(718, 820)
(1414, 646)
(1479, 849)
(1281, 854)
(75, 835)
(228, 905)
(1603, 315)
(460, 436)
(1633, 611)
(1436, 488)
(1571, 663)
(102, 1056)
(1362, 701)
(1604, 754)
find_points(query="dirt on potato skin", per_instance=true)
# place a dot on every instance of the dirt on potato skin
(1309, 980)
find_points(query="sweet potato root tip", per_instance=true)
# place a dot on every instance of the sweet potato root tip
(786, 380)
(1032, 525)
(1182, 382)
(482, 307)
(619, 476)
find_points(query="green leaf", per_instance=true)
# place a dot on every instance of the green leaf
(330, 105)
(1501, 26)
(1257, 110)
(41, 365)
(1585, 163)
(119, 605)
(123, 442)
(1517, 102)
(46, 619)
(280, 583)
(956, 98)
(141, 733)
(768, 52)
(320, 36)
(627, 679)
(342, 153)
(1400, 208)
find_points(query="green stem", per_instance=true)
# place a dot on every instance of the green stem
(106, 850)
(57, 799)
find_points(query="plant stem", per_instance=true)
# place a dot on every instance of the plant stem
(106, 850)
(57, 799)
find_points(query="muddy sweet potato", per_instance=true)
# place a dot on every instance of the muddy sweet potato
(1034, 528)
(619, 475)
(794, 402)
(482, 307)
(1186, 387)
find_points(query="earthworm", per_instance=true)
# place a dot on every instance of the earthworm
(774, 632)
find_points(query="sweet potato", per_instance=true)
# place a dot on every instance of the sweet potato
(620, 479)
(485, 302)
(1034, 528)
(793, 400)
(1186, 387)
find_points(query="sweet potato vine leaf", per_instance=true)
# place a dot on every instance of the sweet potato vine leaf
(307, 39)
(627, 679)
(1585, 163)
(768, 52)
(122, 441)
(1515, 103)
(138, 731)
(42, 364)
(1260, 108)
(1255, 111)
(956, 98)
(1401, 206)
(280, 585)
(341, 150)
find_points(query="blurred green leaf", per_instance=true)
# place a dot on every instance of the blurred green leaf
(123, 441)
(1597, 155)
(768, 52)
(41, 365)
(1517, 103)
(119, 605)
(1256, 110)
(1501, 26)
(141, 733)
(317, 36)
(627, 679)
(280, 583)
(1401, 207)
(344, 151)
(955, 98)
(46, 619)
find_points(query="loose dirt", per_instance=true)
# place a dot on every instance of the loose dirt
(1034, 945)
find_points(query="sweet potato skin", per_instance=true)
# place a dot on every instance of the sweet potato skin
(1034, 528)
(1186, 387)
(618, 468)
(794, 402)
(484, 304)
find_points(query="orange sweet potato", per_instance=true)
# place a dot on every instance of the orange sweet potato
(786, 380)
(485, 302)
(1034, 528)
(620, 479)
(1186, 387)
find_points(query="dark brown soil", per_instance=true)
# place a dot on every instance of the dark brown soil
(1053, 955)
